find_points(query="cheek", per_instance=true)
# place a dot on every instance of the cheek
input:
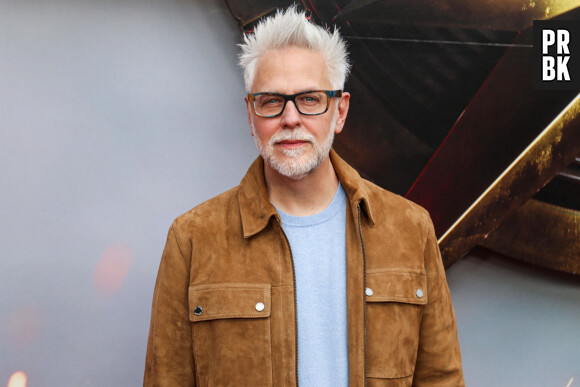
(325, 129)
(264, 130)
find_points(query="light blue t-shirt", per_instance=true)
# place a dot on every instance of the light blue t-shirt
(318, 244)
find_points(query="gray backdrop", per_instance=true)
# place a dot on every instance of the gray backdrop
(117, 116)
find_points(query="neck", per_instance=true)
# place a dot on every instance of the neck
(307, 196)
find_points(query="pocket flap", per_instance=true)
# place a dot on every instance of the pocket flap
(397, 285)
(217, 301)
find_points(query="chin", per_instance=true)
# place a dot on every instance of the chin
(295, 168)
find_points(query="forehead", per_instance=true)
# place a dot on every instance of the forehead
(291, 70)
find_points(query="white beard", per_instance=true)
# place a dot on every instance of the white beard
(298, 163)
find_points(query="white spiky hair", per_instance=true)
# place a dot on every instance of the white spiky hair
(292, 28)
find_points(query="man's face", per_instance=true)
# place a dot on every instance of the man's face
(293, 144)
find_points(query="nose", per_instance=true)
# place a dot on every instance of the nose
(290, 116)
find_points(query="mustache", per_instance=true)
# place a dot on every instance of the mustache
(292, 135)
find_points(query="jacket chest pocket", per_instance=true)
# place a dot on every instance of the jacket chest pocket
(231, 334)
(395, 299)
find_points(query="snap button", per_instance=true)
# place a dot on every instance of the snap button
(419, 293)
(369, 292)
(198, 310)
(260, 306)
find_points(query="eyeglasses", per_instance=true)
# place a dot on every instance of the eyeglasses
(308, 103)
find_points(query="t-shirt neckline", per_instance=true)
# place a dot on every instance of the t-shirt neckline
(338, 202)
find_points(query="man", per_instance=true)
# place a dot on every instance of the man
(305, 273)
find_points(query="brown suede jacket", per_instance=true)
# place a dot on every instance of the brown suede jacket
(224, 308)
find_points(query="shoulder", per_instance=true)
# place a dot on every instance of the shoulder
(209, 214)
(393, 202)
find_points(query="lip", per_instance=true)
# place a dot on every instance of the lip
(291, 144)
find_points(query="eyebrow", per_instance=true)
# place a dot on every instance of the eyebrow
(300, 91)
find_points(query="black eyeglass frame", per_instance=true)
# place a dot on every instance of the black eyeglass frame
(292, 97)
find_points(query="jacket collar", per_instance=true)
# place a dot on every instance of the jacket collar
(356, 187)
(256, 209)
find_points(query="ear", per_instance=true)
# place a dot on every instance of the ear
(249, 111)
(342, 107)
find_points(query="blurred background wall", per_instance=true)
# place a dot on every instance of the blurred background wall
(115, 117)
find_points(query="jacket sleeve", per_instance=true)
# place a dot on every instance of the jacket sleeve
(439, 357)
(169, 360)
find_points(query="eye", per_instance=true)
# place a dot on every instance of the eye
(309, 98)
(269, 100)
